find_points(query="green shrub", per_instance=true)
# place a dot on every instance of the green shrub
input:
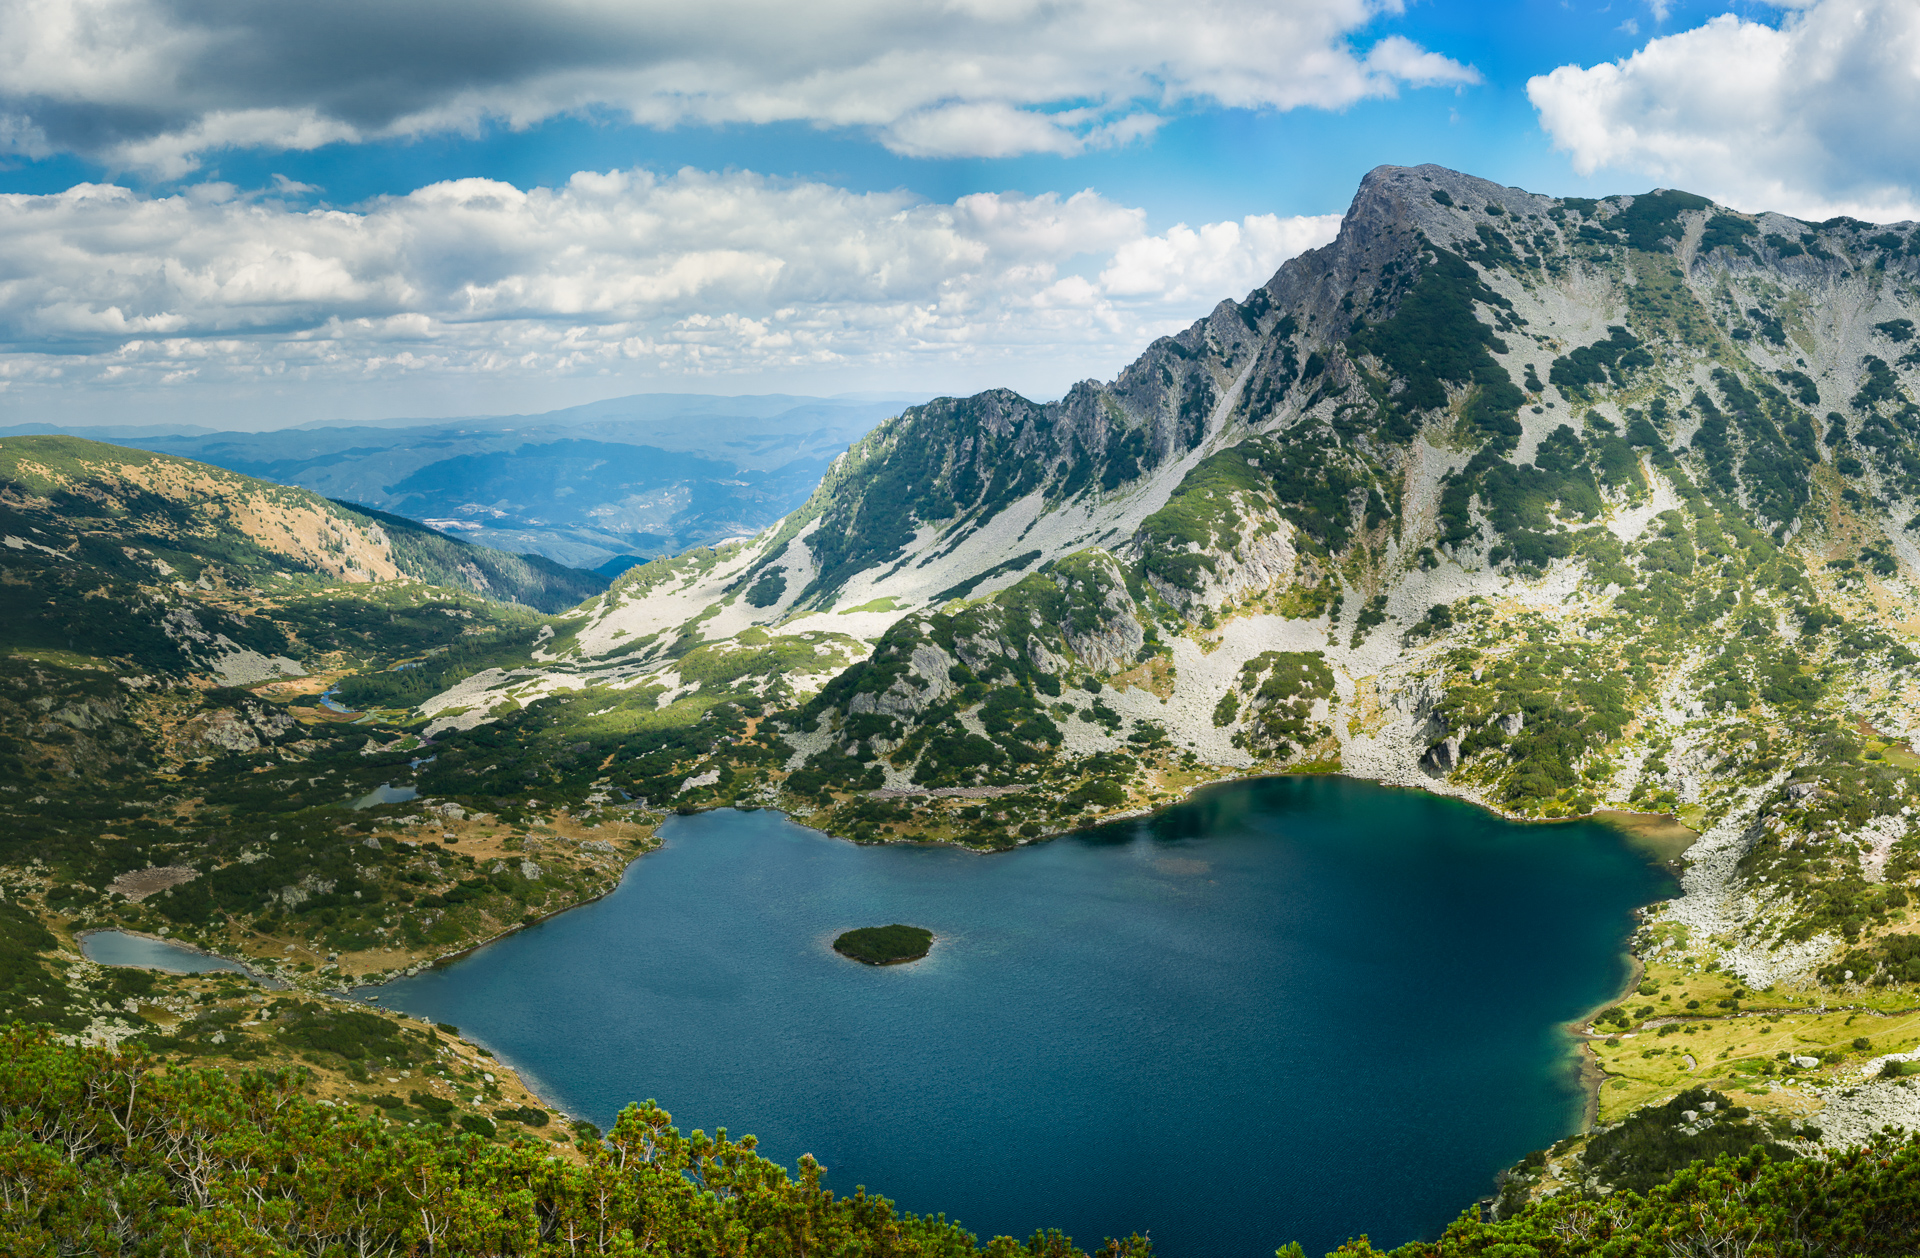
(1434, 339)
(1097, 793)
(885, 945)
(767, 590)
(526, 1115)
(478, 1124)
(1651, 1144)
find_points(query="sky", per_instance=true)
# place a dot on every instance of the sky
(247, 213)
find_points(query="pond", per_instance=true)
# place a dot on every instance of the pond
(117, 947)
(1291, 1009)
(386, 794)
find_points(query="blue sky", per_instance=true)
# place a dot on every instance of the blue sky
(1207, 164)
(371, 209)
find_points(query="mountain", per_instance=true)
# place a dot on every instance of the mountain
(1479, 420)
(76, 499)
(133, 574)
(1563, 506)
(1558, 505)
(602, 485)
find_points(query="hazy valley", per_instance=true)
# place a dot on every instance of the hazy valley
(604, 485)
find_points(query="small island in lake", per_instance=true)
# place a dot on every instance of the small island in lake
(885, 945)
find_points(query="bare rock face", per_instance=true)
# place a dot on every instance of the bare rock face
(1112, 647)
(1043, 659)
(245, 729)
(1442, 758)
(926, 682)
(221, 730)
(138, 884)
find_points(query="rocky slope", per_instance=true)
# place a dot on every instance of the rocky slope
(144, 593)
(85, 499)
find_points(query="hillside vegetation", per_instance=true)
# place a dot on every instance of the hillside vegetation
(168, 630)
(108, 1156)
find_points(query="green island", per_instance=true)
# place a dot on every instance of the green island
(885, 945)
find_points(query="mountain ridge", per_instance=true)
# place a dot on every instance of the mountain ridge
(1366, 466)
(327, 537)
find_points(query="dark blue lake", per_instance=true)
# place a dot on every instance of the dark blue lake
(1293, 1009)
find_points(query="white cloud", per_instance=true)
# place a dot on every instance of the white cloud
(1819, 116)
(19, 137)
(156, 84)
(993, 129)
(692, 276)
(1187, 265)
(175, 154)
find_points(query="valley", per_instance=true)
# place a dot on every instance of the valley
(601, 486)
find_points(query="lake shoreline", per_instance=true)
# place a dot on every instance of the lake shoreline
(652, 843)
(1593, 1075)
(1656, 836)
(1262, 832)
(1659, 837)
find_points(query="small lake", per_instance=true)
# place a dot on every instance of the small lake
(386, 793)
(1292, 1009)
(115, 947)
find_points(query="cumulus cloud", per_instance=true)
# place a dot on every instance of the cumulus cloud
(693, 275)
(1817, 116)
(154, 85)
(1184, 265)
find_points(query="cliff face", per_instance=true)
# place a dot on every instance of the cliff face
(1556, 504)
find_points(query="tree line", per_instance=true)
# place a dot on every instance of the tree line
(109, 1152)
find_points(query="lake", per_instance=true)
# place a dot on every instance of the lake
(386, 793)
(1290, 1009)
(117, 947)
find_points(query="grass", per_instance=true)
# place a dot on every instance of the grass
(59, 659)
(1734, 1050)
(885, 945)
(798, 654)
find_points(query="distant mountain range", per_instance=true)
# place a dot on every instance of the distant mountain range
(601, 486)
